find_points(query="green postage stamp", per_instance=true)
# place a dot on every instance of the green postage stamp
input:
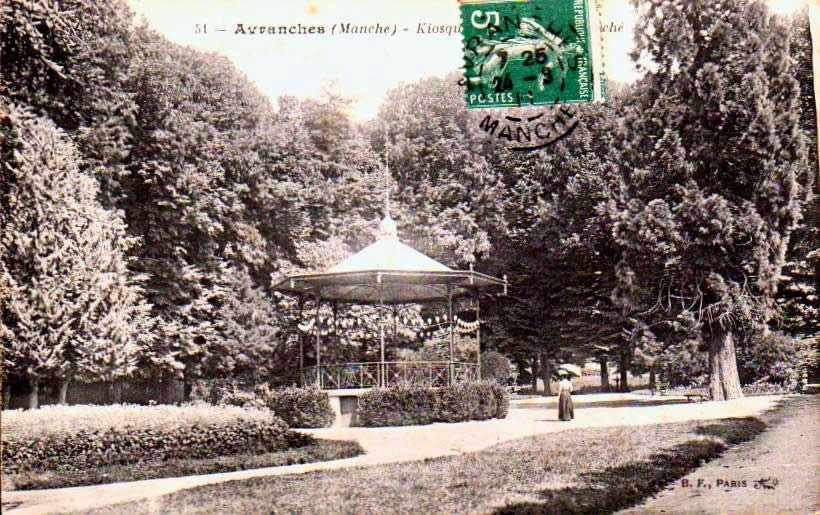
(531, 52)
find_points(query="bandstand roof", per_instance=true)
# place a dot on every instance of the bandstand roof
(388, 272)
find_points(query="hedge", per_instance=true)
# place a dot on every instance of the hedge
(410, 405)
(298, 407)
(113, 445)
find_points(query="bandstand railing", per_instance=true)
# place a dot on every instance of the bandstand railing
(388, 373)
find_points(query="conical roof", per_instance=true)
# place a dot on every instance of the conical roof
(389, 272)
(389, 255)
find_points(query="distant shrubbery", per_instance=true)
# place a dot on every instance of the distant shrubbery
(775, 358)
(765, 388)
(591, 371)
(684, 365)
(770, 363)
(83, 437)
(410, 405)
(497, 367)
(298, 407)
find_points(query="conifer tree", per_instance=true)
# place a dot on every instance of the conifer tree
(70, 306)
(711, 154)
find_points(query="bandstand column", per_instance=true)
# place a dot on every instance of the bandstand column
(301, 342)
(452, 334)
(335, 320)
(478, 332)
(394, 311)
(317, 326)
(380, 313)
(382, 366)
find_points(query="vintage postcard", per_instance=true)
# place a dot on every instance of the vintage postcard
(409, 256)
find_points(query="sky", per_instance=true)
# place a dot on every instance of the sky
(362, 67)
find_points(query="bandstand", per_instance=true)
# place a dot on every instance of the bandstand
(385, 274)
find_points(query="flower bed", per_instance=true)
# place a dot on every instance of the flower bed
(410, 405)
(322, 450)
(53, 421)
(80, 437)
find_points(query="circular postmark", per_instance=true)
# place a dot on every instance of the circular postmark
(530, 128)
(531, 63)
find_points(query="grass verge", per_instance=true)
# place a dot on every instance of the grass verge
(322, 450)
(591, 470)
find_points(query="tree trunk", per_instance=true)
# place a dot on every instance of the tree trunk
(522, 369)
(652, 382)
(6, 393)
(604, 374)
(187, 386)
(534, 374)
(724, 382)
(167, 394)
(623, 368)
(546, 374)
(34, 393)
(115, 392)
(62, 388)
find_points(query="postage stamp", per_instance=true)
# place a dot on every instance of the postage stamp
(531, 52)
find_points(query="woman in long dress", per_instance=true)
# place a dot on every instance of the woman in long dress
(565, 411)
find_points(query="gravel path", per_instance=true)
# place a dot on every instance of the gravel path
(398, 444)
(788, 453)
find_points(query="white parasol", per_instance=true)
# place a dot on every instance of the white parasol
(570, 369)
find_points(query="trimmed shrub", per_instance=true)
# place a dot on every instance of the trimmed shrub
(298, 407)
(401, 405)
(411, 405)
(117, 445)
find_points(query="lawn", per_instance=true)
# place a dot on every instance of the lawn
(592, 470)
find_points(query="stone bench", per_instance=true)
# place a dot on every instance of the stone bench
(345, 404)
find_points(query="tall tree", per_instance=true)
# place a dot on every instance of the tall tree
(711, 154)
(66, 60)
(798, 294)
(72, 306)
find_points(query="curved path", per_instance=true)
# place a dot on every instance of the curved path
(397, 444)
(787, 454)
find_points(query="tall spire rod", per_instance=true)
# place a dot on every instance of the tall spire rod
(386, 178)
(387, 227)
